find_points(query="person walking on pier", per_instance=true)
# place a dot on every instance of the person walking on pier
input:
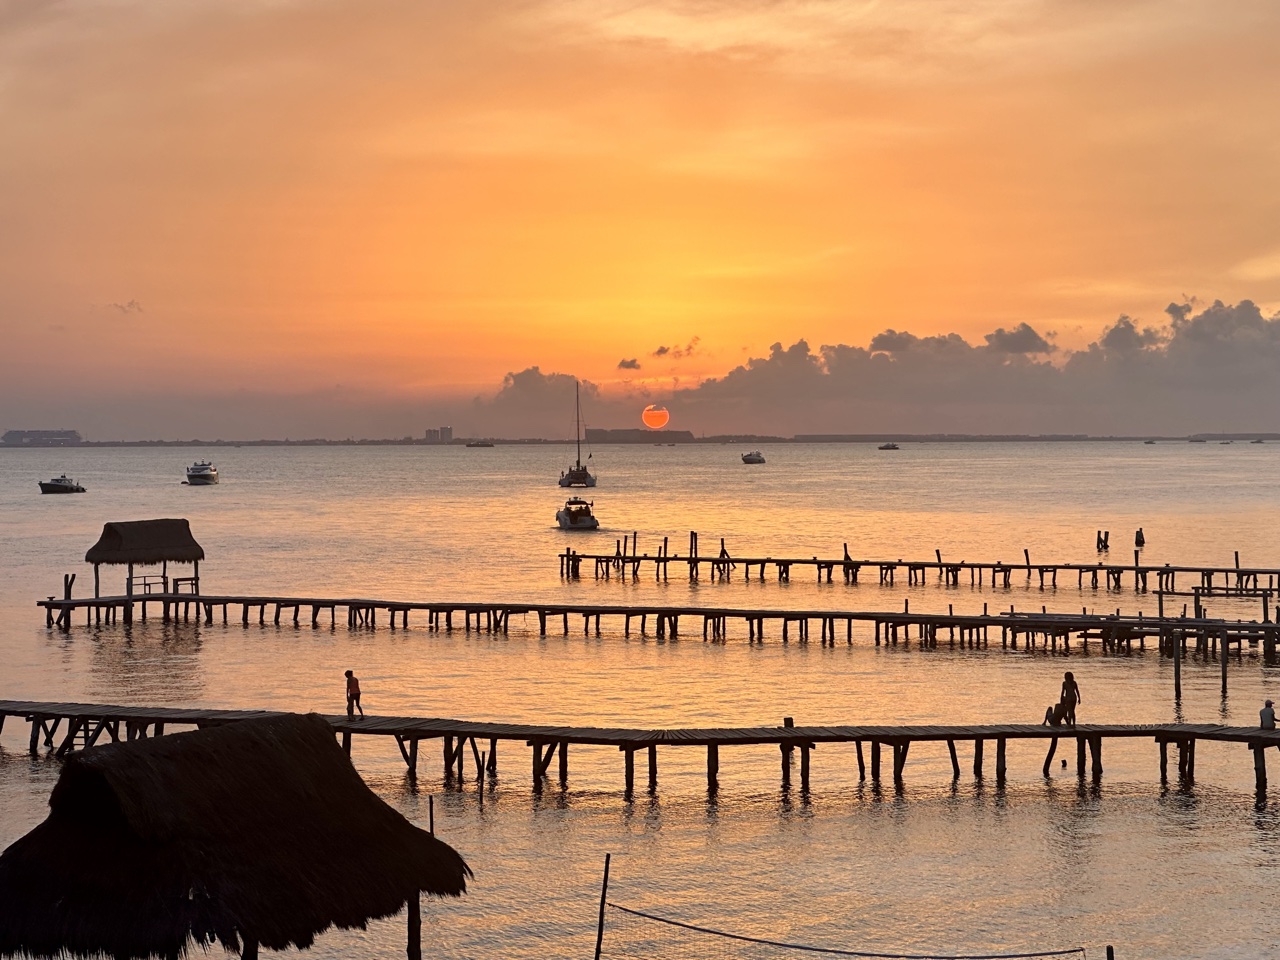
(1070, 696)
(353, 696)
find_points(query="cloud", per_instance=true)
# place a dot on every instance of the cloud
(133, 306)
(1022, 339)
(632, 364)
(679, 353)
(1123, 336)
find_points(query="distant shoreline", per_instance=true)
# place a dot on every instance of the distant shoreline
(658, 438)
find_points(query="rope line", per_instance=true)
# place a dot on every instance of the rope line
(850, 953)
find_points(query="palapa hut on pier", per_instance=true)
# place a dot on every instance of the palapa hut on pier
(258, 832)
(147, 543)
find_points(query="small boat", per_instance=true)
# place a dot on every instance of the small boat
(755, 456)
(479, 443)
(888, 446)
(62, 484)
(1148, 442)
(202, 473)
(577, 475)
(1197, 440)
(1259, 440)
(576, 515)
(1223, 443)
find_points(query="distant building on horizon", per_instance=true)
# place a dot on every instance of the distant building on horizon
(432, 435)
(42, 438)
(446, 434)
(637, 435)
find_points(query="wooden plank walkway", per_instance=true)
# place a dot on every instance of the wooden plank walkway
(626, 560)
(86, 724)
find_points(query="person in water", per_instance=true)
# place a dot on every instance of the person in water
(1070, 696)
(353, 696)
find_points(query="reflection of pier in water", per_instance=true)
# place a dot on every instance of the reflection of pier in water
(83, 725)
(627, 561)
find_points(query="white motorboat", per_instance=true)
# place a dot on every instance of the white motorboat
(202, 473)
(576, 515)
(755, 456)
(888, 446)
(577, 475)
(62, 484)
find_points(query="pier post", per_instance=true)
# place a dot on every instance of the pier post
(1000, 757)
(1177, 664)
(875, 761)
(1260, 766)
(1080, 756)
(862, 766)
(713, 766)
(414, 946)
(629, 768)
(564, 763)
(955, 761)
(977, 758)
(1095, 748)
(653, 767)
(805, 749)
(1164, 761)
(346, 742)
(1222, 643)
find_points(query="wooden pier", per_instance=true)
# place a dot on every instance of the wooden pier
(1114, 633)
(65, 727)
(626, 561)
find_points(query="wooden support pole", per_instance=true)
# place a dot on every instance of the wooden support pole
(977, 759)
(1095, 748)
(875, 761)
(564, 762)
(629, 767)
(1260, 767)
(955, 761)
(1080, 756)
(413, 946)
(862, 767)
(1000, 757)
(713, 766)
(653, 767)
(805, 750)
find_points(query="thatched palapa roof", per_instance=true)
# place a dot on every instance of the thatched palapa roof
(145, 542)
(259, 830)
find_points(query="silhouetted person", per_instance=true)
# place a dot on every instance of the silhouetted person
(1070, 696)
(353, 696)
(1267, 717)
(1139, 540)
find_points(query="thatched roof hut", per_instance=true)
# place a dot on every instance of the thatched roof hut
(145, 543)
(256, 832)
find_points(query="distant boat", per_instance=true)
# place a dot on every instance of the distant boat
(479, 443)
(577, 475)
(888, 446)
(1259, 440)
(755, 456)
(202, 473)
(1223, 443)
(1197, 440)
(62, 484)
(576, 515)
(1148, 442)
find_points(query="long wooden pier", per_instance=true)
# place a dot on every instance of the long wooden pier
(1115, 633)
(627, 561)
(65, 727)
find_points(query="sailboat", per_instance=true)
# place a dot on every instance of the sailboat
(577, 475)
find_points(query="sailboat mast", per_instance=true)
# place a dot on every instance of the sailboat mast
(577, 422)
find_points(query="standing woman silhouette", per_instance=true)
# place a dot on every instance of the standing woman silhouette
(1070, 696)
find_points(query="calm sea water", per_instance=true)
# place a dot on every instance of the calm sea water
(933, 868)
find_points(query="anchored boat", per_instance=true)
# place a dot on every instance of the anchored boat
(62, 484)
(202, 473)
(755, 456)
(888, 446)
(577, 475)
(576, 515)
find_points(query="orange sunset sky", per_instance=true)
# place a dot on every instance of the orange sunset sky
(389, 206)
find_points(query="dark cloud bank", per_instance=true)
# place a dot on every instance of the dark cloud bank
(1201, 370)
(1216, 369)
